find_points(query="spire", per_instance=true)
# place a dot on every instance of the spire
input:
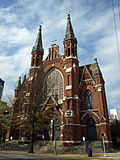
(95, 60)
(19, 83)
(69, 30)
(97, 68)
(38, 44)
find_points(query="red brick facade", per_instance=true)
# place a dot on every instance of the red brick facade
(79, 89)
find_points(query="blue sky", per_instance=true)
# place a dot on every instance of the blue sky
(93, 26)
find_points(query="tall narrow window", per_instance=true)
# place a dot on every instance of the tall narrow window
(88, 100)
(37, 61)
(68, 80)
(68, 51)
(68, 104)
(73, 52)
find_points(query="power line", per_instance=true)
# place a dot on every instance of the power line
(119, 8)
(117, 41)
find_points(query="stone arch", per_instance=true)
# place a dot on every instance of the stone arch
(53, 85)
(90, 114)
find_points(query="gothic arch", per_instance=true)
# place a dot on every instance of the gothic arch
(53, 84)
(88, 115)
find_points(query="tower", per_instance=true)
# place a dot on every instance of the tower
(37, 53)
(72, 83)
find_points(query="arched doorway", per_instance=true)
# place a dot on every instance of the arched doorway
(91, 130)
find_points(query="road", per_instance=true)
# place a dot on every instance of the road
(13, 156)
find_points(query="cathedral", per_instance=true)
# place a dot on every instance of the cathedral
(79, 91)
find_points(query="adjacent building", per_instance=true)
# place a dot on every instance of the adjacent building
(79, 91)
(113, 114)
(1, 87)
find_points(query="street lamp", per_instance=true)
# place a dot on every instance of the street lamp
(103, 134)
(84, 145)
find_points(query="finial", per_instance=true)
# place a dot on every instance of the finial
(24, 77)
(53, 41)
(40, 25)
(68, 14)
(95, 60)
(19, 81)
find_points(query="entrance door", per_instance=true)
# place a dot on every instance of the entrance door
(91, 130)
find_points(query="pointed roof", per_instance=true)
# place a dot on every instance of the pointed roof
(92, 68)
(38, 43)
(69, 30)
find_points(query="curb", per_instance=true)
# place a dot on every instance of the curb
(52, 155)
(37, 154)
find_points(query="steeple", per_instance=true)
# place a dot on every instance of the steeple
(38, 43)
(69, 30)
(37, 51)
(70, 41)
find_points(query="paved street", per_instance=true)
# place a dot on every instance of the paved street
(14, 156)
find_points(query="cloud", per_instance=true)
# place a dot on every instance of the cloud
(93, 26)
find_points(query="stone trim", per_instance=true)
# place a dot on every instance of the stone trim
(98, 85)
(101, 124)
(108, 141)
(99, 89)
(87, 80)
(35, 67)
(71, 141)
(69, 113)
(88, 113)
(28, 94)
(68, 69)
(70, 57)
(30, 78)
(81, 125)
(94, 110)
(69, 87)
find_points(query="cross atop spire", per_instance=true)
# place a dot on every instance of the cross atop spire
(38, 43)
(69, 30)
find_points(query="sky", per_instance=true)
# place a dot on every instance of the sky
(93, 25)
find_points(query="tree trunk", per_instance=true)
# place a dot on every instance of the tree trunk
(31, 136)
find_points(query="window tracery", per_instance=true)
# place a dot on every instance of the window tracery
(53, 84)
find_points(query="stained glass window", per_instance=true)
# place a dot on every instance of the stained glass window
(53, 84)
(88, 100)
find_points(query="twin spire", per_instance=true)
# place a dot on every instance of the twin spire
(69, 30)
(38, 43)
(68, 35)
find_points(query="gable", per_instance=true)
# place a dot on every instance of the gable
(86, 74)
(53, 52)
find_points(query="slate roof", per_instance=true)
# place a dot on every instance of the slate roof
(92, 68)
(38, 43)
(69, 30)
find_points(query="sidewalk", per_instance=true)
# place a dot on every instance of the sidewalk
(110, 156)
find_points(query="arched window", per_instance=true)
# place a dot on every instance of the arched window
(53, 84)
(88, 100)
